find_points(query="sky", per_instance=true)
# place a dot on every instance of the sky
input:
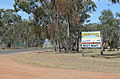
(101, 5)
(8, 4)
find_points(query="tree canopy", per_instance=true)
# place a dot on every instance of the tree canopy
(60, 21)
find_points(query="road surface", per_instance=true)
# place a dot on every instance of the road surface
(10, 69)
(10, 51)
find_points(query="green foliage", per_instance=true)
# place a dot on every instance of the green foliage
(14, 30)
(61, 21)
(110, 28)
(115, 1)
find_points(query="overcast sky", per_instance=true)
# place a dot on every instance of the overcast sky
(101, 5)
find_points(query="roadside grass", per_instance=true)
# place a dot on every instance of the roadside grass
(91, 61)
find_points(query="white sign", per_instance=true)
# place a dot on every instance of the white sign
(91, 39)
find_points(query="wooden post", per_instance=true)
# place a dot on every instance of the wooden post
(102, 48)
(83, 51)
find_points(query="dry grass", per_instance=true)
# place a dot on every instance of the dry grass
(92, 61)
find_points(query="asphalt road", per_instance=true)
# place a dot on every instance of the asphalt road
(9, 51)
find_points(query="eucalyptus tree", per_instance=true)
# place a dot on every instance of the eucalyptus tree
(118, 23)
(115, 1)
(110, 28)
(1, 25)
(8, 19)
(58, 17)
(30, 33)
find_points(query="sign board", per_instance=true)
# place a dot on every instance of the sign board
(91, 39)
(21, 44)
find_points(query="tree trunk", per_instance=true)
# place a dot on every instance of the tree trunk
(68, 34)
(78, 41)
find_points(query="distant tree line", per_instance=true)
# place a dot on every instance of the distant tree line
(15, 32)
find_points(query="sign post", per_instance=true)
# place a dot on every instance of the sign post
(91, 39)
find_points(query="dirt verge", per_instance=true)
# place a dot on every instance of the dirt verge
(9, 69)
